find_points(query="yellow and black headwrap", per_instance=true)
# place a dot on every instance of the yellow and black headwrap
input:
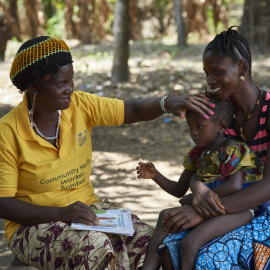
(37, 57)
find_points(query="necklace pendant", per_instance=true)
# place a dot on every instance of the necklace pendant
(243, 137)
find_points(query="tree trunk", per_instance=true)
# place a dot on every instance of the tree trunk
(86, 24)
(133, 14)
(196, 16)
(13, 9)
(101, 18)
(70, 25)
(181, 36)
(5, 34)
(247, 25)
(256, 23)
(120, 71)
(32, 15)
(220, 13)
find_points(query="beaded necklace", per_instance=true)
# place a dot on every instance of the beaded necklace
(45, 137)
(248, 117)
(216, 145)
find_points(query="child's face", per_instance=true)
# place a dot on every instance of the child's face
(202, 131)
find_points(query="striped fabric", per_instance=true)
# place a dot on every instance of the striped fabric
(261, 141)
(34, 53)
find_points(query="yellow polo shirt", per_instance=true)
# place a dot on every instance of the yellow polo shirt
(34, 171)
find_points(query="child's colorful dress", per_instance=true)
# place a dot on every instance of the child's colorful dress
(213, 169)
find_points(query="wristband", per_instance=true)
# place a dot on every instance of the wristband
(162, 104)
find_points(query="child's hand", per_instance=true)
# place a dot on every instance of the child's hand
(146, 170)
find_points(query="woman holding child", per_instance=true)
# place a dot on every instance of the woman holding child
(227, 65)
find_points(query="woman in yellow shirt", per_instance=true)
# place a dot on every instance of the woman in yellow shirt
(45, 157)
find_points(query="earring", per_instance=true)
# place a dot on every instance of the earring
(220, 133)
(242, 78)
(31, 112)
(205, 88)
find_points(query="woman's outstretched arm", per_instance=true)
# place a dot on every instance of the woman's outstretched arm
(148, 109)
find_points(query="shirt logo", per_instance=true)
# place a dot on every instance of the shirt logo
(81, 137)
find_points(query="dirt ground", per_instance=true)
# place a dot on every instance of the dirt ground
(155, 70)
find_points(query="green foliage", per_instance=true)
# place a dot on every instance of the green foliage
(56, 25)
(233, 20)
(162, 4)
(108, 24)
(210, 16)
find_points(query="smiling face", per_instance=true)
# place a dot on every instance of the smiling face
(204, 132)
(54, 93)
(222, 74)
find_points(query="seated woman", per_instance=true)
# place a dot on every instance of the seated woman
(227, 65)
(45, 157)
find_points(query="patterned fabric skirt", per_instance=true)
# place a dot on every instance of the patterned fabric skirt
(247, 247)
(56, 246)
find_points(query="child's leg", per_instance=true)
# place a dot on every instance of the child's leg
(152, 258)
(207, 231)
(167, 263)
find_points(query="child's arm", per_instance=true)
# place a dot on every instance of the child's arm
(232, 184)
(206, 202)
(177, 189)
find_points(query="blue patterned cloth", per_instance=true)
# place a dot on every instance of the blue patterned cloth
(247, 247)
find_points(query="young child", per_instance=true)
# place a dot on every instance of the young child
(223, 164)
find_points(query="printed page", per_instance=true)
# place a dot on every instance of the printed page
(117, 221)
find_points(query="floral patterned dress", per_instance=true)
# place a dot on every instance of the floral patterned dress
(56, 246)
(214, 168)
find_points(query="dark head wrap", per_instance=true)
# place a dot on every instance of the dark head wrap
(37, 57)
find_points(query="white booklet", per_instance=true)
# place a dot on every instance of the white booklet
(117, 221)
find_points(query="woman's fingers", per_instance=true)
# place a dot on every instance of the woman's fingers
(174, 223)
(201, 106)
(218, 208)
(211, 209)
(207, 209)
(179, 218)
(79, 212)
(197, 103)
(219, 204)
(198, 210)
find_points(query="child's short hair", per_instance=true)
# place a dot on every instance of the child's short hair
(222, 111)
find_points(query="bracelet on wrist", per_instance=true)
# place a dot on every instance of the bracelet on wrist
(162, 104)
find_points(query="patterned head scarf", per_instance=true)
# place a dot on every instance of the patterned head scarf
(37, 57)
